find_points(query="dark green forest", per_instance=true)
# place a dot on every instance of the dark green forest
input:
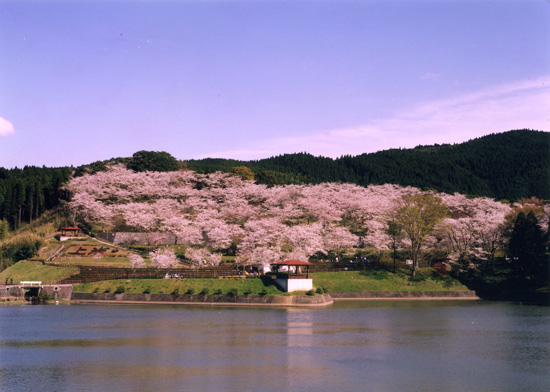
(510, 166)
(25, 194)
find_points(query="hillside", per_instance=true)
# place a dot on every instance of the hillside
(510, 165)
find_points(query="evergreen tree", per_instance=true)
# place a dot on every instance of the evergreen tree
(528, 250)
(4, 228)
(395, 231)
(153, 161)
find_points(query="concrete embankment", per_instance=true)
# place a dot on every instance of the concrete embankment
(404, 295)
(65, 292)
(54, 291)
(12, 292)
(205, 300)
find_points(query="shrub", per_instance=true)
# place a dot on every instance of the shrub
(310, 292)
(218, 292)
(205, 291)
(247, 292)
(320, 290)
(176, 291)
(263, 292)
(447, 280)
(190, 291)
(26, 249)
(45, 297)
(107, 290)
(233, 292)
(120, 290)
(147, 290)
(420, 277)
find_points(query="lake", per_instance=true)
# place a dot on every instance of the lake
(349, 346)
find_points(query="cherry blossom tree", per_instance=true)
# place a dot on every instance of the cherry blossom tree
(339, 239)
(262, 256)
(201, 257)
(220, 210)
(136, 261)
(461, 234)
(163, 258)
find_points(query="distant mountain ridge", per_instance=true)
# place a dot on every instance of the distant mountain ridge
(510, 165)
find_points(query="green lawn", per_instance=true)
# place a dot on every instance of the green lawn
(35, 270)
(181, 286)
(382, 280)
(379, 280)
(108, 261)
(333, 281)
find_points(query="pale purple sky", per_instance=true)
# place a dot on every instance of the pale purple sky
(82, 81)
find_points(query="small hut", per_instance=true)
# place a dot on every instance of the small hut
(69, 232)
(292, 275)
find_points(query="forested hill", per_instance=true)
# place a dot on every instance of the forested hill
(509, 165)
(27, 193)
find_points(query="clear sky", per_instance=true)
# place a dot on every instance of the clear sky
(82, 81)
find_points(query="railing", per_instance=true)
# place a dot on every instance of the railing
(90, 274)
(31, 283)
(286, 275)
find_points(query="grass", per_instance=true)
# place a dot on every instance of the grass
(181, 286)
(35, 270)
(105, 261)
(382, 280)
(377, 280)
(333, 281)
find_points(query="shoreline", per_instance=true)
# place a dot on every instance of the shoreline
(405, 295)
(204, 300)
(270, 300)
(65, 293)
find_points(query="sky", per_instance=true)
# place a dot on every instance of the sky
(82, 81)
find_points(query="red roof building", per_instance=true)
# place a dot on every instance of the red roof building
(293, 273)
(70, 231)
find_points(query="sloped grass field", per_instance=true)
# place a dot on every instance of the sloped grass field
(182, 286)
(347, 281)
(382, 280)
(35, 270)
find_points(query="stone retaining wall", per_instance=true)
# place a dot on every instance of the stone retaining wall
(11, 292)
(364, 295)
(239, 300)
(60, 291)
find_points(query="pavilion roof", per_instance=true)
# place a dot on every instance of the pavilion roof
(70, 228)
(292, 262)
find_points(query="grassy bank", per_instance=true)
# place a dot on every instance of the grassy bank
(331, 281)
(382, 280)
(378, 280)
(182, 286)
(35, 270)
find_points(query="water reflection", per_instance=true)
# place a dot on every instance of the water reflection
(347, 347)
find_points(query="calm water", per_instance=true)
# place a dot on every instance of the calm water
(350, 346)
